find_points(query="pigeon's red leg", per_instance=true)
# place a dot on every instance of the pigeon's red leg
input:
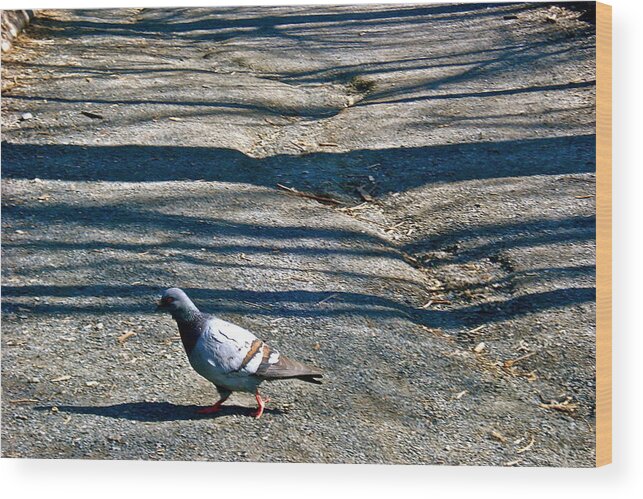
(261, 404)
(213, 408)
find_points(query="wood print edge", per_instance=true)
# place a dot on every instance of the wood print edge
(603, 234)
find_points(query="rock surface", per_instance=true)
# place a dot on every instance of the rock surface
(448, 292)
(13, 22)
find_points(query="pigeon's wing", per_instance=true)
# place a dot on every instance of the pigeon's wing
(276, 366)
(237, 350)
(229, 332)
(230, 347)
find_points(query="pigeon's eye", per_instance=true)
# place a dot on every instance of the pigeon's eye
(167, 300)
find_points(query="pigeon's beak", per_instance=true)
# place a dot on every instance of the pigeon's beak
(159, 306)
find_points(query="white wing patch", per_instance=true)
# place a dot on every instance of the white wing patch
(274, 357)
(252, 366)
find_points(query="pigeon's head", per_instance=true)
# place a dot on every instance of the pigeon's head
(176, 302)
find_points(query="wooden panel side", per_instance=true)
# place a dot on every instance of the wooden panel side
(603, 234)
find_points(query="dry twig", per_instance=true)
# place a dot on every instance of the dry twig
(565, 406)
(259, 305)
(364, 194)
(125, 336)
(329, 297)
(498, 436)
(321, 199)
(436, 301)
(458, 396)
(509, 363)
(527, 447)
(94, 116)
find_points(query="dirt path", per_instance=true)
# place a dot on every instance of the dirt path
(448, 294)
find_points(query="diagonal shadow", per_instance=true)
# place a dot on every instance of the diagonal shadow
(484, 93)
(222, 24)
(154, 412)
(298, 303)
(300, 28)
(402, 168)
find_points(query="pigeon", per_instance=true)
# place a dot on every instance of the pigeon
(229, 356)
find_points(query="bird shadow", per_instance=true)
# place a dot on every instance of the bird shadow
(154, 411)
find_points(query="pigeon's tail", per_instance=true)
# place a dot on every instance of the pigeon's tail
(311, 378)
(286, 368)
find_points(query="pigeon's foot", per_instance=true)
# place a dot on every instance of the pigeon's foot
(213, 408)
(261, 404)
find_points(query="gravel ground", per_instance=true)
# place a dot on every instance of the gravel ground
(447, 291)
